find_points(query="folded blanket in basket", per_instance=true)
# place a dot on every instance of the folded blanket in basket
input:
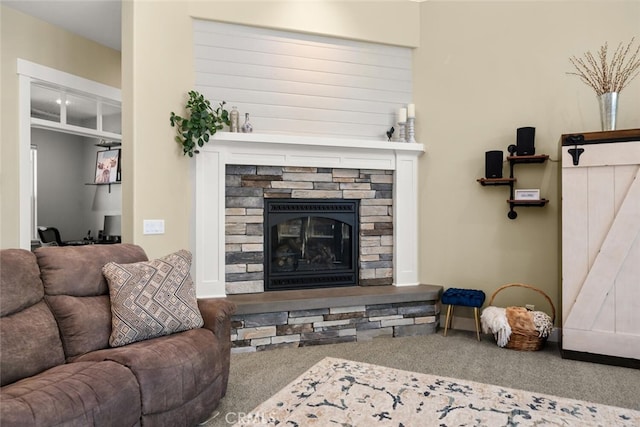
(502, 322)
(543, 323)
(521, 321)
(494, 321)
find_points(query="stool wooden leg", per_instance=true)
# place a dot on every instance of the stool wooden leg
(447, 321)
(475, 315)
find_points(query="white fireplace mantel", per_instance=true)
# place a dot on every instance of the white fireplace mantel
(225, 148)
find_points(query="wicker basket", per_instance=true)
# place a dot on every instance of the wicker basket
(521, 339)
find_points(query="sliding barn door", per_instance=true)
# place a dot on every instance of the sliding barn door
(601, 248)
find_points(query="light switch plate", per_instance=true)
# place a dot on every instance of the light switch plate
(153, 226)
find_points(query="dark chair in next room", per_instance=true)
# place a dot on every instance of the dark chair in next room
(50, 236)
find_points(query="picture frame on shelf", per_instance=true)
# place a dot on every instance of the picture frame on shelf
(107, 168)
(528, 194)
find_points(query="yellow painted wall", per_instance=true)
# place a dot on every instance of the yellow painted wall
(22, 36)
(484, 69)
(388, 22)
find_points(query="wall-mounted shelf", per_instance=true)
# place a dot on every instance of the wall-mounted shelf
(511, 180)
(537, 158)
(496, 181)
(104, 183)
(536, 203)
(108, 144)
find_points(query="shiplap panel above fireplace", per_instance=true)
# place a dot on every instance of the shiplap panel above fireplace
(302, 84)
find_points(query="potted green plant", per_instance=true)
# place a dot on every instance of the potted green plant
(201, 123)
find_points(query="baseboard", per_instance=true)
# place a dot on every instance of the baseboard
(468, 324)
(601, 358)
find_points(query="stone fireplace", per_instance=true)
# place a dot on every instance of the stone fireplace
(361, 200)
(236, 173)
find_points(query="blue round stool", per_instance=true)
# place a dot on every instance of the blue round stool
(464, 297)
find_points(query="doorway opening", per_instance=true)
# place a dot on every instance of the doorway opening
(55, 101)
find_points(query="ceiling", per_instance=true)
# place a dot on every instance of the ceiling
(97, 20)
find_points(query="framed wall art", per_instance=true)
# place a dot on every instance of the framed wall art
(107, 166)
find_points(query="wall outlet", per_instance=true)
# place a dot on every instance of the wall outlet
(153, 226)
(530, 307)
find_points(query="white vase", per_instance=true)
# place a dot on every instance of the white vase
(608, 108)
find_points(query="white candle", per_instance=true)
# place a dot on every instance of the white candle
(402, 115)
(411, 110)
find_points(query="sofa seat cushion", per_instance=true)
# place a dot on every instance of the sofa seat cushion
(151, 299)
(171, 370)
(76, 394)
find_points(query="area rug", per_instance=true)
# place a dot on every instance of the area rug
(337, 392)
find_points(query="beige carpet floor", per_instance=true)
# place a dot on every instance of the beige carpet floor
(255, 377)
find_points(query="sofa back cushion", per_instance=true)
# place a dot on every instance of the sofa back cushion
(29, 337)
(84, 322)
(77, 291)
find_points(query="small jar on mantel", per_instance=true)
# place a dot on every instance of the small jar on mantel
(234, 118)
(246, 127)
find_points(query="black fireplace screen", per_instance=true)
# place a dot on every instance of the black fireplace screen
(310, 243)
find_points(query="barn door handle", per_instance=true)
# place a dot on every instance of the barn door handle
(575, 153)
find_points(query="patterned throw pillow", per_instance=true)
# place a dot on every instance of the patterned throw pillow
(152, 298)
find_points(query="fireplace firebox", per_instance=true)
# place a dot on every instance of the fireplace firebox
(310, 243)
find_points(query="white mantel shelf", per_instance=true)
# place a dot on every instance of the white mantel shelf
(308, 151)
(315, 141)
(226, 148)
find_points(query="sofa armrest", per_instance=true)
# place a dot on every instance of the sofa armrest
(216, 313)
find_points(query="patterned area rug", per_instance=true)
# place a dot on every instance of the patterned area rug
(346, 393)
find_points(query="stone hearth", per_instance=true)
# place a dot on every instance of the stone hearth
(303, 318)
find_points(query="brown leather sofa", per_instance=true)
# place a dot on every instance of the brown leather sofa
(56, 366)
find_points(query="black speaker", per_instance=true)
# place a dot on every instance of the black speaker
(493, 164)
(524, 141)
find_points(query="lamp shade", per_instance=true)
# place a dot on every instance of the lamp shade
(112, 225)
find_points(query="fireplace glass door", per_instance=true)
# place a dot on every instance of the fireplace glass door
(310, 244)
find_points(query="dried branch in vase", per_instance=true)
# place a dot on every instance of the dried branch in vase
(604, 76)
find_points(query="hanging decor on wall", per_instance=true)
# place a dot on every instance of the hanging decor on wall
(608, 78)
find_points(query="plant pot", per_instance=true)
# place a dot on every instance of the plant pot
(608, 108)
